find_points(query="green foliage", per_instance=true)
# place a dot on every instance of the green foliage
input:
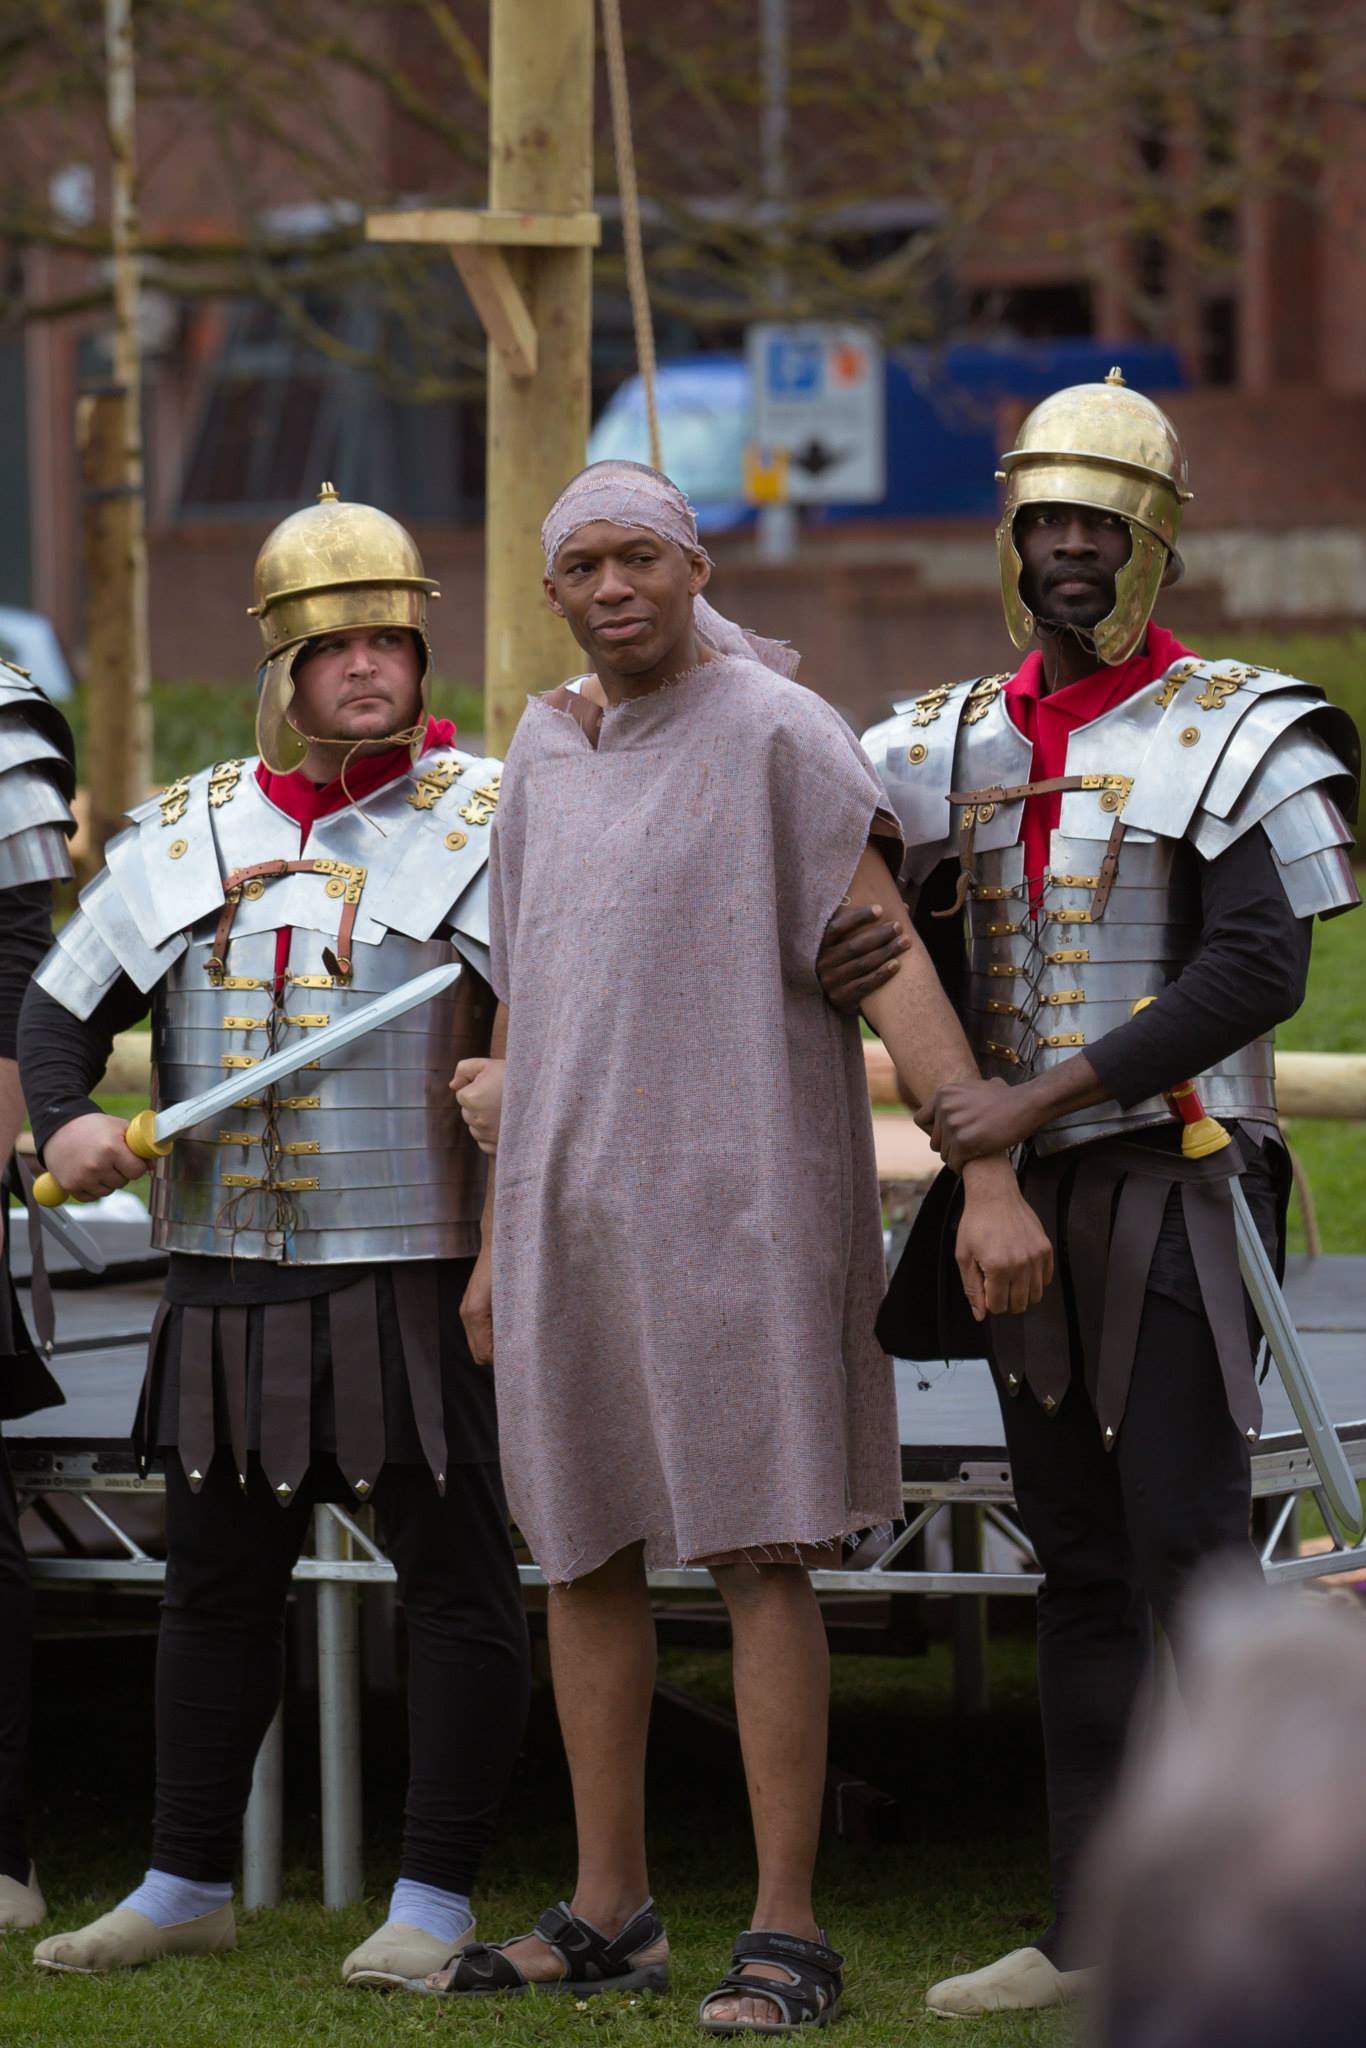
(196, 723)
(1332, 1156)
(1336, 662)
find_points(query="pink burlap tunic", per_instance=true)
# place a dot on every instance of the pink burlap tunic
(688, 1245)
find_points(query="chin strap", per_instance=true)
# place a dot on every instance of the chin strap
(403, 738)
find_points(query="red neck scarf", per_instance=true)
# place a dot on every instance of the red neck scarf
(1049, 720)
(306, 801)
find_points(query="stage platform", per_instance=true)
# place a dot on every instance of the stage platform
(958, 1540)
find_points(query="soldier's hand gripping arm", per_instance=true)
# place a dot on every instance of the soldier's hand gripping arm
(1246, 976)
(477, 1085)
(1003, 1254)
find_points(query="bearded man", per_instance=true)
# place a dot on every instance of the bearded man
(320, 1234)
(685, 1252)
(1118, 824)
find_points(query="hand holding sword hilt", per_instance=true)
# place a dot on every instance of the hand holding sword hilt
(141, 1140)
(1201, 1133)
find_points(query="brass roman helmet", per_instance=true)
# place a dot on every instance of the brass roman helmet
(323, 570)
(1107, 446)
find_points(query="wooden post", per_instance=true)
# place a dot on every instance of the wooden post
(540, 160)
(109, 432)
(527, 265)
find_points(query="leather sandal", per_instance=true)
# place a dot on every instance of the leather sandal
(808, 1993)
(634, 1960)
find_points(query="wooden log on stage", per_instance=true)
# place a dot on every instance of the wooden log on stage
(1331, 1085)
(1313, 1084)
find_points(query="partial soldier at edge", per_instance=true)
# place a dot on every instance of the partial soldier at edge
(37, 786)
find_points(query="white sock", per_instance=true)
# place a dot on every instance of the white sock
(168, 1900)
(444, 1915)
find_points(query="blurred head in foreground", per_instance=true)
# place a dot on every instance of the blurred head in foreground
(1230, 1884)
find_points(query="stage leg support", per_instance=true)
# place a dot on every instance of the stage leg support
(263, 1828)
(338, 1720)
(969, 1613)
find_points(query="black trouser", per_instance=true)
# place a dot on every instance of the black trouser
(1118, 1535)
(16, 1663)
(229, 1555)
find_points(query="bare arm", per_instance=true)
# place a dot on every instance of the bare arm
(910, 1012)
(1003, 1255)
(476, 1307)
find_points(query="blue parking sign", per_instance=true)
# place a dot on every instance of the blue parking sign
(795, 368)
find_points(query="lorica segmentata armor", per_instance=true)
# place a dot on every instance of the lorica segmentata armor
(1193, 761)
(37, 784)
(354, 1159)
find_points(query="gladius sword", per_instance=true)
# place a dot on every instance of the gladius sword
(152, 1132)
(1201, 1136)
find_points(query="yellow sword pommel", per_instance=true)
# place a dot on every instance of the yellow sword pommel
(141, 1140)
(1201, 1133)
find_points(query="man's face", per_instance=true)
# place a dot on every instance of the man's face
(626, 594)
(362, 684)
(1070, 556)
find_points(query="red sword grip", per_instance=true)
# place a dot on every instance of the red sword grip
(1201, 1133)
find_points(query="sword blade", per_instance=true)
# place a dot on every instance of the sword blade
(313, 1045)
(1340, 1489)
(74, 1238)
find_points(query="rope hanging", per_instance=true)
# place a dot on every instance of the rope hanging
(620, 96)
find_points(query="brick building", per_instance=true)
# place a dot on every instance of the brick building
(1256, 269)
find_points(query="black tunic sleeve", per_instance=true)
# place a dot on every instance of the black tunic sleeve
(1248, 974)
(61, 1058)
(25, 935)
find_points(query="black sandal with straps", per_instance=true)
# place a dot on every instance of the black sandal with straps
(807, 1995)
(592, 1960)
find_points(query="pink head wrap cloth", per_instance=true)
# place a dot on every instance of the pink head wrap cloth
(630, 494)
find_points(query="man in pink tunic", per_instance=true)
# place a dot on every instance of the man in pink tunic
(687, 1256)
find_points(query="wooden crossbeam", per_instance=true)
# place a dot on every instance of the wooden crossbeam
(462, 226)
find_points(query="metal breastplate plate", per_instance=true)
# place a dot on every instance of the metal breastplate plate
(364, 1157)
(357, 1159)
(37, 781)
(1046, 980)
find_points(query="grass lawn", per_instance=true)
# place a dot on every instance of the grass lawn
(965, 1883)
(1333, 1019)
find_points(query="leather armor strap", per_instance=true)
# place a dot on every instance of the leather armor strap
(273, 871)
(194, 1425)
(1109, 868)
(418, 1302)
(1009, 793)
(286, 1390)
(357, 1382)
(144, 1418)
(232, 1352)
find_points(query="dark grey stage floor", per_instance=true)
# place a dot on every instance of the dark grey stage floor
(101, 1337)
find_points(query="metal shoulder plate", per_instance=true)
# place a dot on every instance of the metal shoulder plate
(1231, 746)
(917, 754)
(436, 875)
(37, 783)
